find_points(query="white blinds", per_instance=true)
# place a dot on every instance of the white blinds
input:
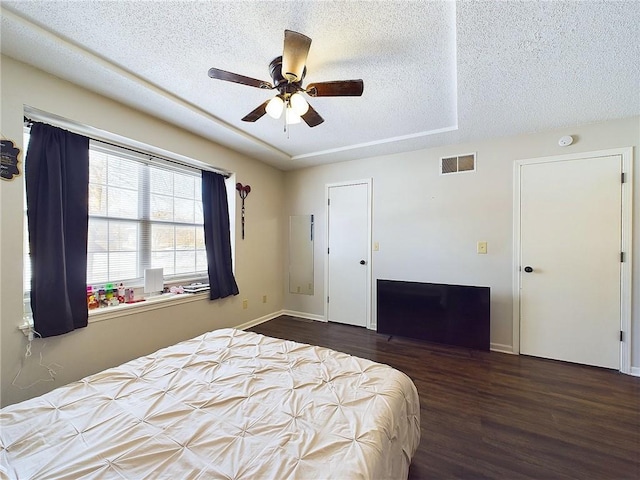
(142, 214)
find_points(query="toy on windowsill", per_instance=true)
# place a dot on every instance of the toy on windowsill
(109, 294)
(121, 293)
(92, 301)
(102, 297)
(129, 296)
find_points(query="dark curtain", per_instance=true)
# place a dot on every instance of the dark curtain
(217, 236)
(57, 182)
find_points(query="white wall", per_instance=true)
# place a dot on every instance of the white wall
(259, 258)
(427, 225)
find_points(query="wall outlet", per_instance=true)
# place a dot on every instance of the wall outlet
(245, 304)
(264, 299)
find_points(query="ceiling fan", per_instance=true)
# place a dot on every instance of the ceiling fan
(287, 73)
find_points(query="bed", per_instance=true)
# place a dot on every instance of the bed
(228, 404)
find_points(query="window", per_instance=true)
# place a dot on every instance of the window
(143, 213)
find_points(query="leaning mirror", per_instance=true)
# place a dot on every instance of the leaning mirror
(301, 254)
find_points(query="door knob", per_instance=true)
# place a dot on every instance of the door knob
(362, 262)
(528, 269)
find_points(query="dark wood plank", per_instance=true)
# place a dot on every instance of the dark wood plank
(493, 415)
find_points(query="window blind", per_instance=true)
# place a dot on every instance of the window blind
(143, 213)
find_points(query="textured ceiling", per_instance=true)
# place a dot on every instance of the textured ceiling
(434, 72)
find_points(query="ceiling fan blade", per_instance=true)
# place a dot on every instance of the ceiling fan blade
(236, 78)
(312, 118)
(257, 113)
(294, 56)
(339, 88)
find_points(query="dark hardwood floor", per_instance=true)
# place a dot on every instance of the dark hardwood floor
(493, 415)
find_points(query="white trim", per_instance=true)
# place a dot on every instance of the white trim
(495, 347)
(258, 321)
(376, 142)
(369, 183)
(626, 274)
(515, 281)
(308, 316)
(161, 301)
(626, 154)
(501, 348)
(635, 371)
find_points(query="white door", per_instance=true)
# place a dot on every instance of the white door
(348, 283)
(570, 266)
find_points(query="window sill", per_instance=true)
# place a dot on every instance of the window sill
(161, 301)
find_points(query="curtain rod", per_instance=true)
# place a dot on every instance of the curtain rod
(28, 122)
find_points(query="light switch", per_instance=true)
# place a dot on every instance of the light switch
(482, 247)
(376, 246)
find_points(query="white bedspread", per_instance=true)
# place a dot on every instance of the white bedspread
(225, 405)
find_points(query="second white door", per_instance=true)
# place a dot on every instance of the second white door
(570, 214)
(348, 275)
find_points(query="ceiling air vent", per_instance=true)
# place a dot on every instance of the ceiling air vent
(458, 164)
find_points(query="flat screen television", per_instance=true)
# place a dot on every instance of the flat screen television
(435, 312)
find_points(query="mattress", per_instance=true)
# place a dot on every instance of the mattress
(228, 404)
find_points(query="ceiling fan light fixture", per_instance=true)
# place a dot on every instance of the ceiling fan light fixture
(274, 107)
(299, 104)
(287, 72)
(291, 117)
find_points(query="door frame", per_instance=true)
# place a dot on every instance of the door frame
(626, 236)
(369, 183)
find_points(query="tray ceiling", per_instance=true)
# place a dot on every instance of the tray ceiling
(434, 73)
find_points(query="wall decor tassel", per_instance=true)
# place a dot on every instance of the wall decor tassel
(243, 191)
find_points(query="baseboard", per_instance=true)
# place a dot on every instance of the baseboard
(498, 347)
(494, 347)
(260, 320)
(271, 316)
(308, 316)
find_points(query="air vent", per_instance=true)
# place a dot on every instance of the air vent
(458, 164)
